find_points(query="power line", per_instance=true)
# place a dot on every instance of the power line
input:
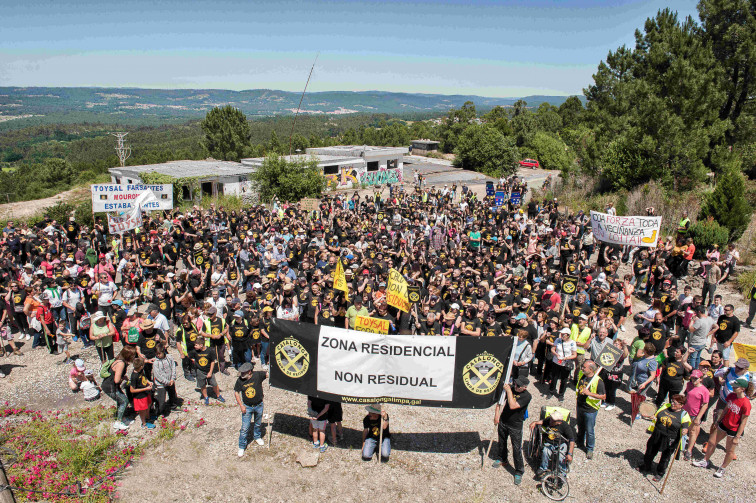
(294, 123)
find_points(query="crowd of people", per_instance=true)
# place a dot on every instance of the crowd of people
(204, 286)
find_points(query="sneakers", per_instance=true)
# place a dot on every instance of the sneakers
(221, 399)
(28, 336)
(609, 407)
(518, 479)
(207, 400)
(118, 425)
(316, 445)
(589, 455)
(719, 473)
(622, 327)
(18, 353)
(2, 375)
(323, 447)
(686, 455)
(496, 463)
(240, 453)
(148, 426)
(702, 463)
(260, 441)
(603, 405)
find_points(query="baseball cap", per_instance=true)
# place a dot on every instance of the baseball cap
(80, 364)
(696, 374)
(565, 331)
(240, 314)
(522, 381)
(742, 363)
(212, 310)
(521, 316)
(741, 382)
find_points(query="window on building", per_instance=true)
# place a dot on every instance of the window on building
(330, 170)
(129, 181)
(391, 164)
(372, 166)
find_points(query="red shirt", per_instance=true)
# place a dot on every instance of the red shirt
(44, 315)
(737, 409)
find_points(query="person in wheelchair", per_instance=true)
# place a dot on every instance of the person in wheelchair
(556, 435)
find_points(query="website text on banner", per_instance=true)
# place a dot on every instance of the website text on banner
(632, 231)
(114, 197)
(359, 367)
(372, 325)
(396, 294)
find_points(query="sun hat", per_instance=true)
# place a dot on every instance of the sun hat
(79, 363)
(148, 324)
(374, 408)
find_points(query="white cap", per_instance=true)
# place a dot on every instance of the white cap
(455, 306)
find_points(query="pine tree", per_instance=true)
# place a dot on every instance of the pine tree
(727, 203)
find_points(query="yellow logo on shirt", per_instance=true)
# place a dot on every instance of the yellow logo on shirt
(202, 362)
(249, 392)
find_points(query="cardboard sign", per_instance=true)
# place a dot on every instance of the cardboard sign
(609, 356)
(372, 325)
(569, 284)
(396, 293)
(309, 204)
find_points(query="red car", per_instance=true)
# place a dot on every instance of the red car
(529, 163)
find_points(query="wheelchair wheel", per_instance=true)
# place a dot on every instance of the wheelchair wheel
(534, 444)
(555, 487)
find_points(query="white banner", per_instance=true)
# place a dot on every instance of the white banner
(114, 197)
(122, 223)
(633, 231)
(361, 364)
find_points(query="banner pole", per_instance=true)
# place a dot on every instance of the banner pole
(501, 401)
(380, 437)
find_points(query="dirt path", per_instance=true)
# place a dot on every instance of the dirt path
(25, 209)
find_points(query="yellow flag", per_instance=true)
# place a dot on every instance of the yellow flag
(339, 279)
(396, 294)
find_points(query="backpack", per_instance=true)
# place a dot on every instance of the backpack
(105, 369)
(85, 322)
(133, 335)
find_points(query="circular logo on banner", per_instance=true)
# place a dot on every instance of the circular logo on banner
(607, 360)
(568, 287)
(414, 297)
(292, 358)
(250, 392)
(482, 374)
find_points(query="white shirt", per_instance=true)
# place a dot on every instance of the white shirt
(564, 349)
(161, 322)
(219, 304)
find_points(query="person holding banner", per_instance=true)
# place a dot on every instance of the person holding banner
(590, 393)
(376, 420)
(670, 424)
(509, 420)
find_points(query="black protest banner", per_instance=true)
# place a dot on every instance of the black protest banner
(358, 367)
(569, 284)
(413, 293)
(609, 356)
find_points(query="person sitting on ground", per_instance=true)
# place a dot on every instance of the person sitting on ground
(76, 377)
(372, 423)
(557, 435)
(89, 388)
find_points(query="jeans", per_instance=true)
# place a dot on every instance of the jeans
(586, 423)
(695, 357)
(120, 398)
(239, 356)
(515, 434)
(370, 446)
(264, 352)
(257, 411)
(548, 451)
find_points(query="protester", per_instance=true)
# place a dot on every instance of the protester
(376, 420)
(114, 376)
(141, 389)
(670, 423)
(248, 391)
(509, 419)
(557, 436)
(590, 392)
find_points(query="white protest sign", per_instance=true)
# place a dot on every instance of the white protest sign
(361, 364)
(631, 230)
(114, 197)
(131, 219)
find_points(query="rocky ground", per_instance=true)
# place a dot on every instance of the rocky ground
(436, 453)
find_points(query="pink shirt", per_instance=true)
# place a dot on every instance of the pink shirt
(75, 373)
(697, 397)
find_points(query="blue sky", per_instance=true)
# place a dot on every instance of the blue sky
(484, 47)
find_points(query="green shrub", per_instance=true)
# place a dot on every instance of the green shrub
(746, 281)
(706, 233)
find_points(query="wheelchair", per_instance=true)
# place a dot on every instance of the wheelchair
(554, 485)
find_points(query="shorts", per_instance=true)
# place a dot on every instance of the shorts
(141, 404)
(62, 343)
(335, 413)
(726, 351)
(730, 433)
(318, 425)
(203, 381)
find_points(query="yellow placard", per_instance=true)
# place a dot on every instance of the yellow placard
(339, 279)
(396, 294)
(372, 325)
(747, 351)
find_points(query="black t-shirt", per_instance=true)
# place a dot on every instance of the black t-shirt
(616, 311)
(251, 389)
(581, 399)
(239, 334)
(373, 427)
(550, 432)
(515, 417)
(726, 326)
(148, 343)
(139, 380)
(318, 404)
(491, 330)
(659, 336)
(673, 373)
(669, 422)
(203, 358)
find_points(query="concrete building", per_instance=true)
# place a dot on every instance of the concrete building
(424, 147)
(344, 166)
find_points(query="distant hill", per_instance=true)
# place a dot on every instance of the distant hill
(152, 106)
